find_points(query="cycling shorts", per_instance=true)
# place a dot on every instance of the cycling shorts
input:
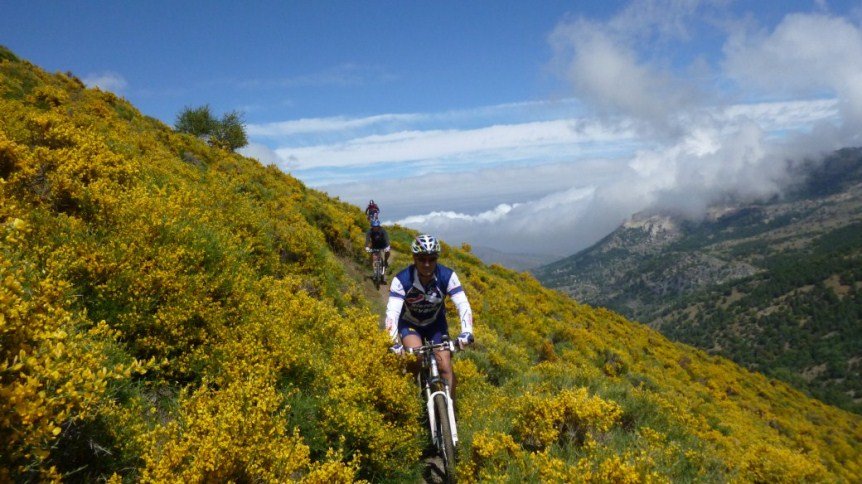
(433, 332)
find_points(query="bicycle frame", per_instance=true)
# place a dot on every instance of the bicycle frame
(378, 268)
(433, 384)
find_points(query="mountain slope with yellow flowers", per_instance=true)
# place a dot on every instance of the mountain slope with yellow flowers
(172, 311)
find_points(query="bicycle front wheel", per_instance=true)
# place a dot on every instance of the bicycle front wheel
(378, 274)
(444, 437)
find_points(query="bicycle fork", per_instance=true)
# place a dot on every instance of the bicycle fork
(429, 402)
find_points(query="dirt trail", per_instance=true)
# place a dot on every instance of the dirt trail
(362, 274)
(383, 292)
(433, 471)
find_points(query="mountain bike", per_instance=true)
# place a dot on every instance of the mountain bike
(438, 403)
(378, 268)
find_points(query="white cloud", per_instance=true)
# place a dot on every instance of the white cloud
(106, 81)
(657, 138)
(544, 200)
(435, 218)
(324, 125)
(662, 21)
(507, 142)
(696, 150)
(544, 225)
(607, 73)
(805, 53)
(684, 177)
(577, 201)
(283, 131)
(795, 115)
(476, 191)
(263, 154)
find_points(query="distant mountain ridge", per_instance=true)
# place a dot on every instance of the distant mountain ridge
(518, 262)
(773, 285)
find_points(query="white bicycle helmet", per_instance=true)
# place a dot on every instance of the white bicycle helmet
(425, 244)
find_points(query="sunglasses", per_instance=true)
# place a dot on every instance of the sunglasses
(425, 259)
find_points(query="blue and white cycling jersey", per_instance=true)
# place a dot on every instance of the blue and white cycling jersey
(411, 303)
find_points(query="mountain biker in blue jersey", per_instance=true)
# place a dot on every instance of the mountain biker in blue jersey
(377, 239)
(415, 309)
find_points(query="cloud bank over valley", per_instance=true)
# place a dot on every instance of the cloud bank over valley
(653, 118)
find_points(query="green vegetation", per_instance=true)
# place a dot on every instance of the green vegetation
(227, 132)
(797, 321)
(174, 312)
(774, 285)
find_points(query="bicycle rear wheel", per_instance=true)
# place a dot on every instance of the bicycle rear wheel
(444, 436)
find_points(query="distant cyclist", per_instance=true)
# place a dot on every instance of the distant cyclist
(415, 309)
(377, 239)
(372, 210)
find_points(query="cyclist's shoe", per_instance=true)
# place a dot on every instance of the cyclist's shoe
(397, 349)
(385, 263)
(465, 339)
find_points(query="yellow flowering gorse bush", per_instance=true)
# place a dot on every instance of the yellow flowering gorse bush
(541, 421)
(170, 311)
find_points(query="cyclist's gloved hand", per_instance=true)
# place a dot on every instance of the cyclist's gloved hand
(465, 339)
(397, 349)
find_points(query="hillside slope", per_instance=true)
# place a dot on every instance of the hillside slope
(171, 311)
(775, 286)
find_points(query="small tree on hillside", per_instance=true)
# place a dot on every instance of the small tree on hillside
(196, 121)
(227, 133)
(230, 131)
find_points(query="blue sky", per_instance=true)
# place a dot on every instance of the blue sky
(523, 126)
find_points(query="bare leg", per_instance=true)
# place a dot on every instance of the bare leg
(411, 341)
(444, 363)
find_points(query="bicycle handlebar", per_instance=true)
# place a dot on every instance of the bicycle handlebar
(429, 347)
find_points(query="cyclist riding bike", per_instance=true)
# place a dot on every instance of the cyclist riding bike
(372, 211)
(415, 309)
(377, 239)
